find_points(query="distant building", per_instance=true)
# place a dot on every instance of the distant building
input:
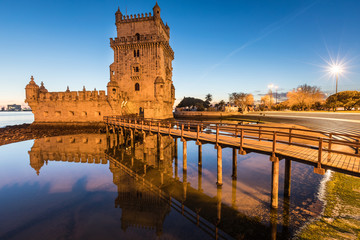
(2, 108)
(14, 107)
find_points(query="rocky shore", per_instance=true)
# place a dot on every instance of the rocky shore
(18, 133)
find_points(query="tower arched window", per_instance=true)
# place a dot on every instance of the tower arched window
(137, 36)
(137, 87)
(136, 53)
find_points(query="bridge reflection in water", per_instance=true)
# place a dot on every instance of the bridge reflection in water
(151, 184)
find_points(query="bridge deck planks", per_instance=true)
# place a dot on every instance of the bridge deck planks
(334, 160)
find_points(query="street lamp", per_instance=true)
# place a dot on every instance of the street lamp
(336, 70)
(271, 87)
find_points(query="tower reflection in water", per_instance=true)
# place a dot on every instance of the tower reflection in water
(145, 171)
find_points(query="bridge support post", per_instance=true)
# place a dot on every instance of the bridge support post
(117, 137)
(114, 135)
(160, 147)
(121, 140)
(273, 223)
(176, 168)
(234, 164)
(233, 192)
(131, 138)
(242, 151)
(175, 148)
(275, 184)
(200, 155)
(287, 183)
(218, 208)
(286, 217)
(184, 184)
(318, 169)
(200, 178)
(219, 166)
(184, 154)
(273, 157)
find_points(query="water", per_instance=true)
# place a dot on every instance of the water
(14, 118)
(83, 187)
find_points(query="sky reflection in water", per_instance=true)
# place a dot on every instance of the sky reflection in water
(79, 194)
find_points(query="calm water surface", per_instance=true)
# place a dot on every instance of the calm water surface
(84, 187)
(14, 118)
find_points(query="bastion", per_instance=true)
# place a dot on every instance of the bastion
(140, 79)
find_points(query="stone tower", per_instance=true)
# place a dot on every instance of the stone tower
(140, 79)
(142, 67)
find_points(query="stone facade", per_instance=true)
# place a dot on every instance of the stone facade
(140, 78)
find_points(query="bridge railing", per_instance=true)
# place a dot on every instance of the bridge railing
(320, 140)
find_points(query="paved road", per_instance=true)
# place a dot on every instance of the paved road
(348, 123)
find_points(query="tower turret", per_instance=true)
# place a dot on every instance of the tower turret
(113, 90)
(156, 11)
(42, 88)
(31, 90)
(118, 15)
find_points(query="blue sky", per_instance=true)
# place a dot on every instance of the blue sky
(220, 46)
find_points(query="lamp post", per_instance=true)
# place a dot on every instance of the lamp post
(271, 87)
(336, 70)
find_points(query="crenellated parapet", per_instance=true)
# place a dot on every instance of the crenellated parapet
(136, 17)
(73, 96)
(34, 93)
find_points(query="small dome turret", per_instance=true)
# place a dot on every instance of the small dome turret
(32, 84)
(42, 88)
(31, 91)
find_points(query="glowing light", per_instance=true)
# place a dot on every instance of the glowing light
(336, 69)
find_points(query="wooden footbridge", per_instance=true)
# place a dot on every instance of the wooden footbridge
(324, 150)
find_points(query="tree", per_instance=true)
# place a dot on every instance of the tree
(220, 105)
(191, 103)
(304, 97)
(267, 101)
(346, 99)
(242, 100)
(208, 97)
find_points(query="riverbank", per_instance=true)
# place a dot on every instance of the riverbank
(23, 132)
(341, 216)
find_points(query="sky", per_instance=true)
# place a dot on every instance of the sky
(220, 46)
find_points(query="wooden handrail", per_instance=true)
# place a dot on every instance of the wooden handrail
(267, 133)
